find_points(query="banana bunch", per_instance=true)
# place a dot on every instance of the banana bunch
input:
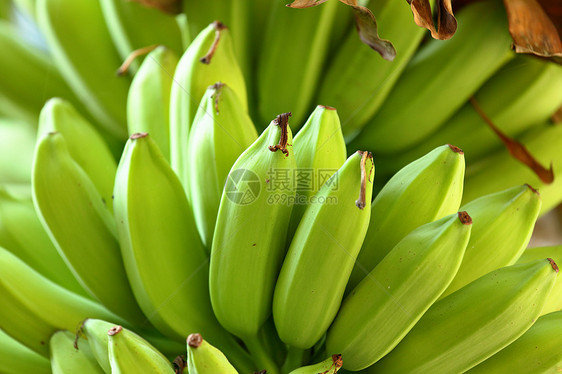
(158, 225)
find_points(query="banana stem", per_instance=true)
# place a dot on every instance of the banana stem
(294, 360)
(260, 355)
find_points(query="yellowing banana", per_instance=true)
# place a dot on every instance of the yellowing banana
(327, 245)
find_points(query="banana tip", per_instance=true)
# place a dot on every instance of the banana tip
(194, 340)
(139, 135)
(114, 330)
(456, 149)
(338, 361)
(533, 189)
(465, 218)
(553, 264)
(327, 107)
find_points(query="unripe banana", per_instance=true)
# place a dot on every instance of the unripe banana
(80, 225)
(130, 353)
(203, 358)
(85, 145)
(535, 352)
(249, 240)
(95, 332)
(319, 152)
(401, 206)
(470, 325)
(209, 59)
(86, 58)
(33, 307)
(16, 358)
(148, 103)
(71, 355)
(321, 246)
(329, 366)
(440, 79)
(221, 131)
(17, 140)
(503, 224)
(384, 307)
(554, 301)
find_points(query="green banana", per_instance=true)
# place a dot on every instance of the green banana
(248, 251)
(209, 59)
(504, 222)
(33, 307)
(524, 93)
(86, 147)
(148, 103)
(69, 356)
(329, 366)
(319, 152)
(535, 352)
(22, 234)
(133, 26)
(544, 144)
(321, 246)
(203, 358)
(306, 34)
(382, 309)
(443, 72)
(28, 77)
(130, 353)
(86, 58)
(171, 287)
(358, 80)
(554, 302)
(400, 207)
(220, 133)
(460, 331)
(17, 140)
(95, 332)
(16, 358)
(80, 225)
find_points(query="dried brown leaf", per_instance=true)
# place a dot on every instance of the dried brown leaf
(446, 21)
(167, 6)
(300, 4)
(516, 149)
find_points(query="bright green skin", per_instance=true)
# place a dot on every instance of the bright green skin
(321, 256)
(328, 366)
(221, 132)
(17, 141)
(470, 325)
(67, 359)
(15, 358)
(385, 306)
(524, 93)
(544, 144)
(554, 301)
(192, 78)
(95, 331)
(85, 145)
(207, 359)
(130, 353)
(400, 207)
(148, 103)
(301, 40)
(357, 81)
(535, 352)
(440, 78)
(33, 307)
(319, 146)
(249, 240)
(87, 59)
(503, 225)
(82, 228)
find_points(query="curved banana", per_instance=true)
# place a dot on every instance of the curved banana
(400, 206)
(87, 59)
(329, 366)
(322, 253)
(33, 307)
(148, 103)
(71, 355)
(209, 59)
(503, 224)
(203, 358)
(319, 152)
(460, 331)
(221, 131)
(79, 224)
(16, 358)
(384, 307)
(439, 79)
